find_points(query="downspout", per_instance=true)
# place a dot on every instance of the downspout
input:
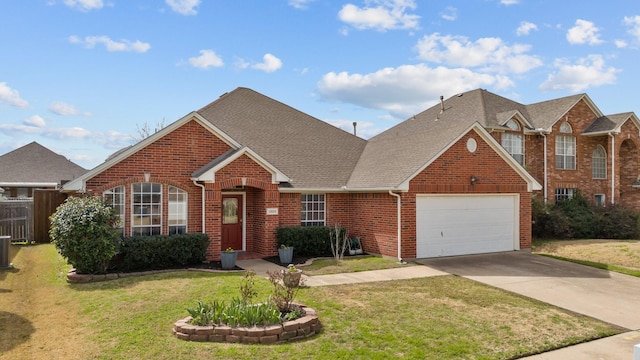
(203, 205)
(613, 168)
(399, 225)
(544, 136)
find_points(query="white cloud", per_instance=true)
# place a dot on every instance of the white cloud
(633, 22)
(207, 59)
(509, 2)
(585, 73)
(584, 32)
(620, 44)
(111, 45)
(84, 5)
(382, 15)
(35, 120)
(64, 109)
(404, 90)
(11, 96)
(300, 4)
(184, 7)
(450, 13)
(490, 54)
(270, 64)
(525, 28)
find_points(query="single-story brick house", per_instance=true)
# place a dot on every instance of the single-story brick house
(437, 184)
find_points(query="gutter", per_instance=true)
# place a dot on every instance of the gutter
(203, 205)
(399, 225)
(544, 134)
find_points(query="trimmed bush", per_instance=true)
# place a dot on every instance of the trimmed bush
(161, 252)
(313, 241)
(83, 230)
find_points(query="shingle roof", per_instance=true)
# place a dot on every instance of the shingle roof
(309, 151)
(546, 113)
(607, 123)
(391, 157)
(34, 163)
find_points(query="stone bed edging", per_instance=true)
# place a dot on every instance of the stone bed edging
(293, 330)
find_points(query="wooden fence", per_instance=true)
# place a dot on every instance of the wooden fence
(27, 220)
(16, 219)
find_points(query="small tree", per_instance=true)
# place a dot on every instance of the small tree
(339, 241)
(83, 231)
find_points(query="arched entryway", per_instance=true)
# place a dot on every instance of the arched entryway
(629, 195)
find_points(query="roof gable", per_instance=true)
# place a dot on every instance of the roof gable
(208, 172)
(544, 115)
(610, 124)
(35, 165)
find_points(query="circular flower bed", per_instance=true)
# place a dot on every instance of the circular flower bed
(298, 329)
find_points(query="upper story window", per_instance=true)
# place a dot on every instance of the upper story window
(115, 197)
(566, 148)
(599, 163)
(177, 211)
(146, 209)
(514, 142)
(313, 210)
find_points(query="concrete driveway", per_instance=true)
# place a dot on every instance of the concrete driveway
(608, 296)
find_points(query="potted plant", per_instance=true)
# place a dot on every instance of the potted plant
(228, 258)
(286, 254)
(291, 276)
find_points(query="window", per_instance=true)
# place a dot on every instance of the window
(564, 194)
(599, 163)
(514, 144)
(177, 211)
(513, 125)
(566, 149)
(313, 210)
(146, 209)
(600, 199)
(115, 198)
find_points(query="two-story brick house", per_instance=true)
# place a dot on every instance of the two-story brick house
(567, 144)
(437, 184)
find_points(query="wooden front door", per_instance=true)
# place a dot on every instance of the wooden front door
(232, 222)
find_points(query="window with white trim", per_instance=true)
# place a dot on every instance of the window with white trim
(146, 209)
(600, 199)
(514, 144)
(115, 198)
(599, 163)
(566, 149)
(313, 210)
(564, 194)
(177, 211)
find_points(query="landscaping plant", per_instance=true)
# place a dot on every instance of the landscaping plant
(83, 230)
(339, 242)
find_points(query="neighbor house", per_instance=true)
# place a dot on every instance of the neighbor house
(437, 184)
(32, 167)
(566, 144)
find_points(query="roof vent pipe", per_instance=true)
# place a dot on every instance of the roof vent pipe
(441, 104)
(354, 128)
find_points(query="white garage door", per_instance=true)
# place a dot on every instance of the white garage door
(460, 225)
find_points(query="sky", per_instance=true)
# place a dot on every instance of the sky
(82, 77)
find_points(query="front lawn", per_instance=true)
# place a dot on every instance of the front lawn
(350, 264)
(445, 317)
(616, 255)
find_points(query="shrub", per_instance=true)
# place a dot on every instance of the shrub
(83, 230)
(307, 240)
(161, 251)
(576, 218)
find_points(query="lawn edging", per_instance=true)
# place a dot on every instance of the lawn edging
(298, 329)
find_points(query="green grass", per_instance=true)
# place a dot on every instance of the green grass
(610, 267)
(350, 264)
(445, 317)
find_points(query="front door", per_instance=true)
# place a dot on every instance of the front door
(232, 222)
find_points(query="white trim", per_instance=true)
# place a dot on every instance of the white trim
(532, 184)
(244, 216)
(276, 175)
(79, 184)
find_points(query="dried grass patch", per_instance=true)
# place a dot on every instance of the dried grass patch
(625, 253)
